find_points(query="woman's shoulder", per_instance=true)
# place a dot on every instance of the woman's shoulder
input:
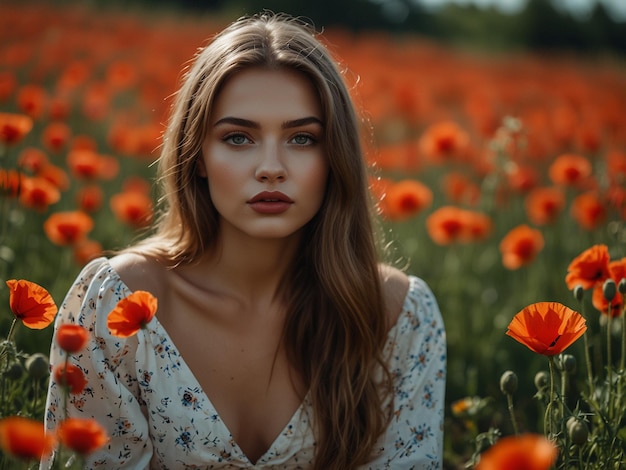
(404, 293)
(395, 286)
(139, 272)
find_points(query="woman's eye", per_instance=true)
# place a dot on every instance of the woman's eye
(303, 139)
(236, 139)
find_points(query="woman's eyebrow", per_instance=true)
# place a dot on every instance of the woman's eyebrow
(255, 125)
(302, 122)
(238, 122)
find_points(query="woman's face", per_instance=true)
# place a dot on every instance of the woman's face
(264, 156)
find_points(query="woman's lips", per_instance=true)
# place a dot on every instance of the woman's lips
(270, 202)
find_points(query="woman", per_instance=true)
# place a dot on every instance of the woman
(280, 341)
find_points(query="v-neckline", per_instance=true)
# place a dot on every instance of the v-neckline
(159, 329)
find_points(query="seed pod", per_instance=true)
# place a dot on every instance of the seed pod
(542, 379)
(37, 366)
(568, 363)
(508, 382)
(579, 292)
(577, 431)
(15, 371)
(609, 289)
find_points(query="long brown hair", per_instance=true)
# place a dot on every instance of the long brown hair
(336, 326)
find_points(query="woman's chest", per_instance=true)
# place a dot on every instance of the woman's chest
(240, 374)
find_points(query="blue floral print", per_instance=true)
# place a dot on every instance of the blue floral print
(158, 416)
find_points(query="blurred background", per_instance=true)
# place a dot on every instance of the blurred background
(477, 106)
(584, 25)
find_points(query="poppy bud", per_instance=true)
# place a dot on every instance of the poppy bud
(577, 431)
(568, 363)
(609, 289)
(579, 292)
(508, 382)
(621, 287)
(542, 378)
(15, 371)
(37, 366)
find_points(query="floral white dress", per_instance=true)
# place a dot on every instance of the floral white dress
(158, 417)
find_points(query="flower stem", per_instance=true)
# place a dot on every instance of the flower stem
(587, 356)
(547, 421)
(609, 363)
(4, 363)
(509, 399)
(12, 330)
(622, 364)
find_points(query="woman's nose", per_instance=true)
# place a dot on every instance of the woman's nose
(271, 167)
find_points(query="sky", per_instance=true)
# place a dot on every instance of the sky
(578, 8)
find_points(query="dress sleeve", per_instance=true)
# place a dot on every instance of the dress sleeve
(111, 395)
(416, 350)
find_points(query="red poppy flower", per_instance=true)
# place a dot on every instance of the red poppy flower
(31, 303)
(447, 225)
(71, 377)
(55, 136)
(67, 228)
(522, 178)
(525, 452)
(459, 189)
(121, 75)
(132, 208)
(616, 197)
(38, 193)
(8, 85)
(84, 142)
(71, 338)
(109, 167)
(444, 141)
(547, 328)
(32, 159)
(96, 101)
(56, 175)
(10, 182)
(17, 54)
(74, 74)
(543, 205)
(13, 127)
(589, 136)
(141, 185)
(589, 268)
(25, 438)
(84, 164)
(400, 156)
(82, 435)
(132, 313)
(90, 198)
(32, 100)
(564, 121)
(405, 199)
(86, 250)
(617, 271)
(520, 246)
(60, 108)
(570, 170)
(479, 225)
(616, 166)
(588, 210)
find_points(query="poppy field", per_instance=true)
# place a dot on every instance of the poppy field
(500, 180)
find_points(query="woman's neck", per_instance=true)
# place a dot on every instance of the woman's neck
(252, 268)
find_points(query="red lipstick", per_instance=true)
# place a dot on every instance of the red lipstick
(270, 202)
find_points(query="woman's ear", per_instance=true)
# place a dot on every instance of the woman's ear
(200, 167)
